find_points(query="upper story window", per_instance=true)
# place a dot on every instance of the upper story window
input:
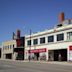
(29, 42)
(13, 45)
(60, 37)
(3, 47)
(69, 35)
(10, 46)
(42, 40)
(35, 41)
(6, 47)
(51, 38)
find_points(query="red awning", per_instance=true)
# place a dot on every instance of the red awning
(37, 50)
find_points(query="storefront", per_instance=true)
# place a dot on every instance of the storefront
(58, 55)
(8, 56)
(37, 54)
(20, 53)
(52, 45)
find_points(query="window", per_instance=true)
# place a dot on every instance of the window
(35, 41)
(51, 38)
(69, 35)
(60, 37)
(3, 47)
(13, 45)
(29, 42)
(10, 46)
(6, 47)
(42, 40)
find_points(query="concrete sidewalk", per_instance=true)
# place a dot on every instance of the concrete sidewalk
(53, 62)
(61, 63)
(47, 62)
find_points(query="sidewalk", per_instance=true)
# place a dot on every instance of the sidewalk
(61, 63)
(53, 62)
(47, 62)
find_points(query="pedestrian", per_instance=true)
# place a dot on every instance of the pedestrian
(29, 57)
(59, 57)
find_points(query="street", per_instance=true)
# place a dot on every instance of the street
(14, 66)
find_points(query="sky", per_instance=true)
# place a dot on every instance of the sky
(36, 15)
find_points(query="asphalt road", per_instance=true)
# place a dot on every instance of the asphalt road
(12, 66)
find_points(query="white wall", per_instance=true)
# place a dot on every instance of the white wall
(8, 50)
(56, 46)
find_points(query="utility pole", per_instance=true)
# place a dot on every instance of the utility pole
(30, 46)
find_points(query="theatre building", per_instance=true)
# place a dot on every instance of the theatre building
(13, 49)
(50, 45)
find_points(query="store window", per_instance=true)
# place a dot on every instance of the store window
(29, 42)
(42, 40)
(51, 38)
(35, 41)
(69, 35)
(60, 37)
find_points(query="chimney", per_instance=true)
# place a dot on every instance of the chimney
(18, 34)
(61, 17)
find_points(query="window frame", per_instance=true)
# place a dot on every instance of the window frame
(52, 38)
(42, 41)
(69, 34)
(60, 37)
(35, 41)
(29, 44)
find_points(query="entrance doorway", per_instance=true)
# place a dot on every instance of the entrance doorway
(36, 56)
(51, 55)
(20, 56)
(60, 55)
(20, 53)
(8, 56)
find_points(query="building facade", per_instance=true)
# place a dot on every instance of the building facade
(49, 45)
(52, 45)
(13, 49)
(8, 49)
